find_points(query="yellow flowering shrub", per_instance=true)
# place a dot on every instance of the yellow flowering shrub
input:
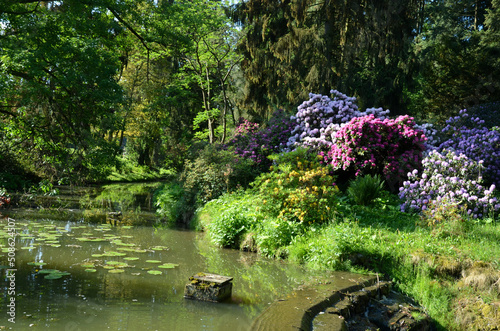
(300, 191)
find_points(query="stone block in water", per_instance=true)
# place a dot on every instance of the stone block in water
(209, 287)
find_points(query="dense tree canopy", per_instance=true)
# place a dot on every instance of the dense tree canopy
(85, 81)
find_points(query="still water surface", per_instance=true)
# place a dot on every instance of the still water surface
(131, 299)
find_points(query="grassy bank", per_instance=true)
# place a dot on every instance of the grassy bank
(451, 268)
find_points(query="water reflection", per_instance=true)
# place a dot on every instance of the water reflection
(134, 299)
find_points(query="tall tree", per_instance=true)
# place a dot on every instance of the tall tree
(455, 57)
(61, 65)
(295, 47)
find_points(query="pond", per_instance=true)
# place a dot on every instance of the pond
(75, 275)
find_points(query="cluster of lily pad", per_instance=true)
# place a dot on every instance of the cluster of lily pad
(32, 235)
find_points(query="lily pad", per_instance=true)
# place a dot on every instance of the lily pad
(168, 266)
(114, 254)
(159, 248)
(90, 270)
(126, 249)
(87, 265)
(38, 264)
(116, 271)
(108, 267)
(97, 255)
(153, 261)
(28, 247)
(131, 258)
(154, 272)
(83, 239)
(53, 276)
(117, 264)
(47, 271)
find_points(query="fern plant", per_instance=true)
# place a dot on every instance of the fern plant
(365, 189)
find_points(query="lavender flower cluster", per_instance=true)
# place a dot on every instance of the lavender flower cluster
(318, 119)
(476, 141)
(449, 178)
(431, 133)
(257, 144)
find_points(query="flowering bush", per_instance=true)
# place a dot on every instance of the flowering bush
(448, 178)
(468, 135)
(489, 112)
(252, 142)
(318, 118)
(369, 145)
(4, 197)
(431, 134)
(298, 191)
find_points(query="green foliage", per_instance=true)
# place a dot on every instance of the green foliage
(364, 190)
(446, 218)
(231, 217)
(457, 57)
(44, 187)
(275, 234)
(292, 49)
(169, 202)
(298, 189)
(214, 172)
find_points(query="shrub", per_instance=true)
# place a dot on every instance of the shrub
(448, 178)
(369, 145)
(252, 142)
(300, 190)
(471, 137)
(364, 190)
(318, 118)
(169, 202)
(4, 197)
(275, 234)
(228, 228)
(214, 172)
(231, 217)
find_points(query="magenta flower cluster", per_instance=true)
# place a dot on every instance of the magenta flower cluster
(448, 178)
(476, 141)
(318, 118)
(255, 143)
(370, 145)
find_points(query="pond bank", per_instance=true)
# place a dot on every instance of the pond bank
(359, 302)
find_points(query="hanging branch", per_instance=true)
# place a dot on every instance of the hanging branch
(135, 33)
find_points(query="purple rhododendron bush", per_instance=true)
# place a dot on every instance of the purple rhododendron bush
(453, 172)
(318, 118)
(449, 178)
(257, 143)
(470, 136)
(370, 145)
